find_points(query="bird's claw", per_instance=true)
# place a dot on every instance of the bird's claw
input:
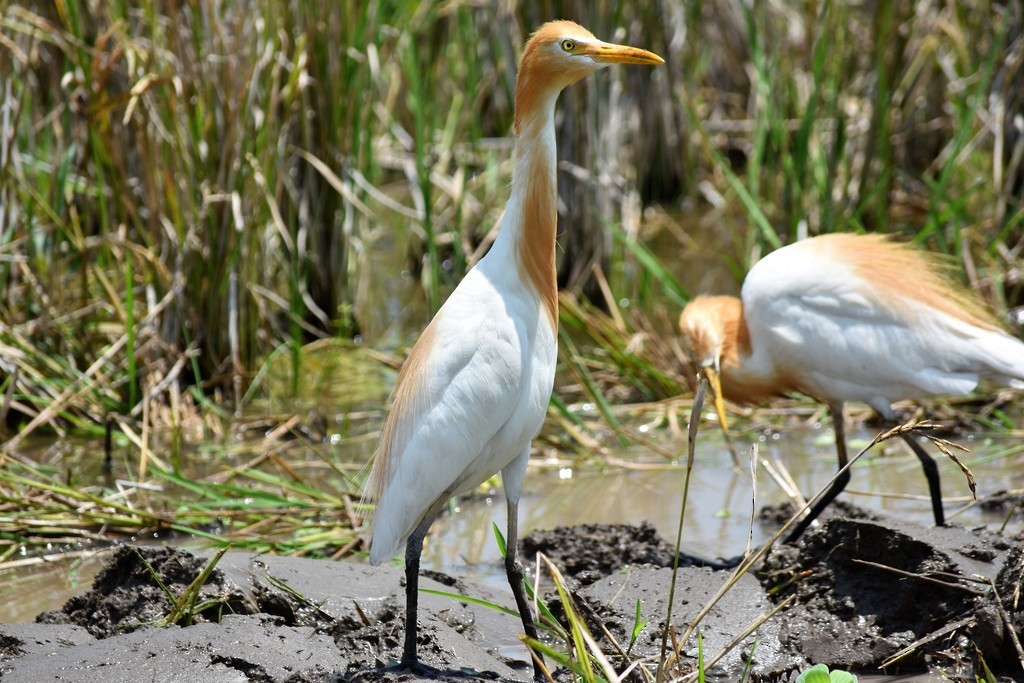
(413, 666)
(418, 668)
(719, 563)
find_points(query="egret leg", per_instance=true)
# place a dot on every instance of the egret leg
(413, 550)
(838, 484)
(517, 576)
(931, 473)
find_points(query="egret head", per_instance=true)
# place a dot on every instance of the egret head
(708, 334)
(702, 330)
(560, 53)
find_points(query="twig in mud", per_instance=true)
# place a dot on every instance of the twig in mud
(753, 626)
(919, 577)
(362, 614)
(1006, 518)
(966, 579)
(1010, 629)
(934, 635)
(594, 618)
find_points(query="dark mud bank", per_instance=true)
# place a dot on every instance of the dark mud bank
(865, 594)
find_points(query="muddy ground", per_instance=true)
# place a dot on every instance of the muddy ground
(868, 593)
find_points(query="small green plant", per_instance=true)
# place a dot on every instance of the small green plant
(638, 626)
(819, 673)
(186, 607)
(581, 653)
(701, 671)
(985, 675)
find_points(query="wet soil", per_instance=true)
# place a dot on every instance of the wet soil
(864, 593)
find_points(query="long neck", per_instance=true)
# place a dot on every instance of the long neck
(530, 222)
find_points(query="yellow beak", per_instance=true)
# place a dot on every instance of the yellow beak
(710, 373)
(620, 54)
(716, 388)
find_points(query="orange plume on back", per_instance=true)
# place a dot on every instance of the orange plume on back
(910, 274)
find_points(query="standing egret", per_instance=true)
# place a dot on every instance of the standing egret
(475, 387)
(847, 317)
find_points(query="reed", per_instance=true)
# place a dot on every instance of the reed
(281, 508)
(187, 189)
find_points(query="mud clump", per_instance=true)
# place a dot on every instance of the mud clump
(127, 594)
(589, 552)
(1004, 502)
(1001, 616)
(777, 515)
(10, 647)
(868, 591)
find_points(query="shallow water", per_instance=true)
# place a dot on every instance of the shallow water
(28, 590)
(642, 487)
(721, 503)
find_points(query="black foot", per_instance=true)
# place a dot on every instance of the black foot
(418, 668)
(414, 666)
(686, 560)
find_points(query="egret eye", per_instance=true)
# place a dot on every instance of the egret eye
(568, 45)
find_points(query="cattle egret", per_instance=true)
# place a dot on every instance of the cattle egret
(846, 317)
(476, 385)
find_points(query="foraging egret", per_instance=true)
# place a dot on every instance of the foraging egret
(475, 387)
(846, 317)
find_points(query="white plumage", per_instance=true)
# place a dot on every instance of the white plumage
(850, 318)
(481, 398)
(475, 388)
(812, 314)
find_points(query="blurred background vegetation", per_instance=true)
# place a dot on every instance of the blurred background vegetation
(189, 189)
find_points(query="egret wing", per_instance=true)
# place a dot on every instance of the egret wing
(848, 340)
(469, 382)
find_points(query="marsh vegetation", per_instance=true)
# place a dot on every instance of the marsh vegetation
(222, 223)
